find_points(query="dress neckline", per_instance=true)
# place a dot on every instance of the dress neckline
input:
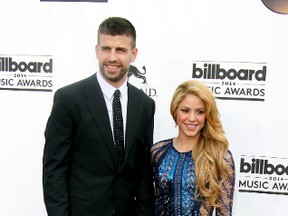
(186, 152)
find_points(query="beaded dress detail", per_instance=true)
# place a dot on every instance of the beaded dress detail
(175, 184)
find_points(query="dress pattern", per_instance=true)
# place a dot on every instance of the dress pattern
(175, 184)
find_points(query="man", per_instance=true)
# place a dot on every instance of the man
(81, 176)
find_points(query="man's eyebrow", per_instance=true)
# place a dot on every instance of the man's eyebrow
(104, 46)
(121, 48)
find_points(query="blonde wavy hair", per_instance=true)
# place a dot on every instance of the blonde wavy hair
(210, 168)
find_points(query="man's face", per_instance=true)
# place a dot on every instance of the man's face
(115, 54)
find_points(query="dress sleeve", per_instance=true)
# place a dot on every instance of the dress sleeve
(226, 198)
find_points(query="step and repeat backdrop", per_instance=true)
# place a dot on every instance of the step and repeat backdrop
(238, 48)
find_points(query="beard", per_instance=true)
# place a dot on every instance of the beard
(114, 77)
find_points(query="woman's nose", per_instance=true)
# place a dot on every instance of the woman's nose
(191, 116)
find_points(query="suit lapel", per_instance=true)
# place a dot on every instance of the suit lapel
(133, 118)
(97, 106)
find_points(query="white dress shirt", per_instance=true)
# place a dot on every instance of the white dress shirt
(108, 91)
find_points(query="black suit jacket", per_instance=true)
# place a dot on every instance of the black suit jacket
(80, 176)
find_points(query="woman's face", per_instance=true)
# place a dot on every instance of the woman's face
(191, 116)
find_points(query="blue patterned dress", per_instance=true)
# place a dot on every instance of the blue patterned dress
(175, 184)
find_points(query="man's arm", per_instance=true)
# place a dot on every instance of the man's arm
(145, 196)
(58, 136)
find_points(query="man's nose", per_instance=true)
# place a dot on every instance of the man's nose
(112, 56)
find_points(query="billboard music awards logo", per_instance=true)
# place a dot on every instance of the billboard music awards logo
(137, 77)
(263, 175)
(26, 72)
(232, 80)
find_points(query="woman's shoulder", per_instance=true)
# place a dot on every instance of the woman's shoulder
(160, 145)
(228, 157)
(228, 154)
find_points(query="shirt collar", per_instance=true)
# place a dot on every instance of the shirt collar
(108, 90)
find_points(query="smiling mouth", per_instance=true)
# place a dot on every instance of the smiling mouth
(110, 66)
(191, 126)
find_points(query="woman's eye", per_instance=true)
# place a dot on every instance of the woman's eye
(184, 110)
(200, 112)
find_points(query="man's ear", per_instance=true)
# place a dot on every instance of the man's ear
(134, 54)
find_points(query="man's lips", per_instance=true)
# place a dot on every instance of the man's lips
(112, 66)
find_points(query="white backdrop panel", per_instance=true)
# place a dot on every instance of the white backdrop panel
(171, 36)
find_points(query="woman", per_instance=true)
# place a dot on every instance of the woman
(194, 172)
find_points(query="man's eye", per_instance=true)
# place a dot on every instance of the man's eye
(121, 50)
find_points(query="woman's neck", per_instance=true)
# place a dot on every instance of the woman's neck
(184, 144)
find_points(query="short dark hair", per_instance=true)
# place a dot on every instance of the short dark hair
(118, 26)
